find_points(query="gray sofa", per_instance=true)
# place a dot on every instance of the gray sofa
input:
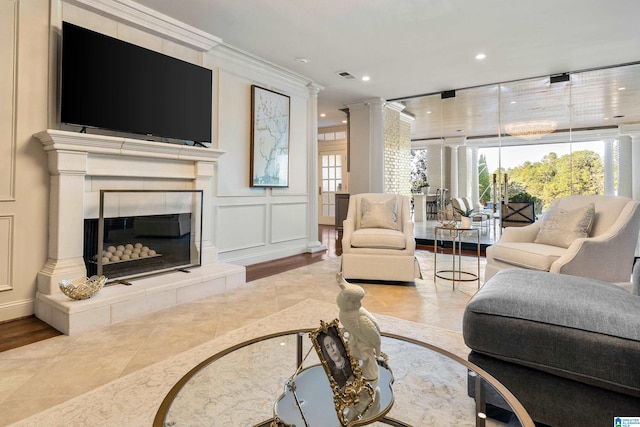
(567, 347)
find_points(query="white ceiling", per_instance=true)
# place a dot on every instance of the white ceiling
(413, 47)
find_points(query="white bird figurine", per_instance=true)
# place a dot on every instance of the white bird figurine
(364, 333)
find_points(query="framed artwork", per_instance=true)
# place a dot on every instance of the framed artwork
(343, 371)
(269, 138)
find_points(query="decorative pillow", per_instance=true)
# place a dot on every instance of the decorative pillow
(379, 214)
(560, 227)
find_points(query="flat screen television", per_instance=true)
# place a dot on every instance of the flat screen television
(111, 84)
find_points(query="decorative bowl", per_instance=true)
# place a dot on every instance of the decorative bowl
(82, 288)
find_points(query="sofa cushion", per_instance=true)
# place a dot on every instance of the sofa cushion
(561, 227)
(379, 214)
(574, 327)
(380, 238)
(527, 255)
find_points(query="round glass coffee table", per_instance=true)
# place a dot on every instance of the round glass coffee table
(244, 384)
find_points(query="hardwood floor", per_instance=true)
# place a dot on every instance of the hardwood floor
(19, 332)
(27, 330)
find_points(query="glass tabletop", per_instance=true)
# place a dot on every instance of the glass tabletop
(241, 385)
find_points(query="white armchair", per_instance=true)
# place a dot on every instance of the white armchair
(606, 253)
(378, 241)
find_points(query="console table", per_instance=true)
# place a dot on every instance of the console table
(241, 385)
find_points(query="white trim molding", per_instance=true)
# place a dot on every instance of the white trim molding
(143, 17)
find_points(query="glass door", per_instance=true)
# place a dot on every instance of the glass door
(331, 182)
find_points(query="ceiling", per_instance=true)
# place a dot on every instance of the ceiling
(415, 47)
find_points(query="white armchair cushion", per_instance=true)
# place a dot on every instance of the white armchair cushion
(527, 255)
(561, 227)
(379, 238)
(376, 214)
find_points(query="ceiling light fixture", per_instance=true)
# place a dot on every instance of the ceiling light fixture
(622, 88)
(344, 121)
(366, 78)
(323, 115)
(480, 56)
(532, 130)
(302, 60)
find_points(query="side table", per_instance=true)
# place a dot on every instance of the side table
(455, 274)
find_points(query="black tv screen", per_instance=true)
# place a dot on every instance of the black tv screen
(111, 84)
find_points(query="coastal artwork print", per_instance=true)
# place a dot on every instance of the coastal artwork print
(269, 138)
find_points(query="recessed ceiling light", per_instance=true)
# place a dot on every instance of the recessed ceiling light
(323, 115)
(606, 118)
(428, 112)
(622, 88)
(302, 60)
(344, 121)
(513, 102)
(480, 56)
(366, 78)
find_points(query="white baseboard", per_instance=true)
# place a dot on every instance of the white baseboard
(16, 309)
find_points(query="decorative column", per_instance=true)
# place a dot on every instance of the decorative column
(313, 243)
(453, 173)
(454, 144)
(625, 167)
(473, 178)
(633, 133)
(67, 170)
(376, 170)
(204, 181)
(366, 146)
(609, 188)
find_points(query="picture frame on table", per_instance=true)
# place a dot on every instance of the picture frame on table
(342, 369)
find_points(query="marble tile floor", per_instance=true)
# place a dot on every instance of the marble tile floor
(43, 374)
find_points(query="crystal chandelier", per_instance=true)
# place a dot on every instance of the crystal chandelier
(532, 130)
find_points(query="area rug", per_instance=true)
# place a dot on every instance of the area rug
(134, 400)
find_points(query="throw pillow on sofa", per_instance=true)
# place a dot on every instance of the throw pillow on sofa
(560, 227)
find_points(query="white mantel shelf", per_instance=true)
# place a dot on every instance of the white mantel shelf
(60, 140)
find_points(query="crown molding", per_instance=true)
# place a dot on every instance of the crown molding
(263, 68)
(140, 16)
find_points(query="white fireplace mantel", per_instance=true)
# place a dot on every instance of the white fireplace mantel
(60, 140)
(80, 165)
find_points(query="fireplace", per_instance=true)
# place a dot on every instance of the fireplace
(154, 231)
(122, 191)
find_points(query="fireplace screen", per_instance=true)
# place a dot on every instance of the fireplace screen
(142, 232)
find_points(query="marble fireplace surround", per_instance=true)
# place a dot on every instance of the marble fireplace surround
(80, 165)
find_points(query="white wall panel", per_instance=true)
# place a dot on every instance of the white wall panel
(288, 222)
(6, 252)
(240, 227)
(233, 135)
(8, 56)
